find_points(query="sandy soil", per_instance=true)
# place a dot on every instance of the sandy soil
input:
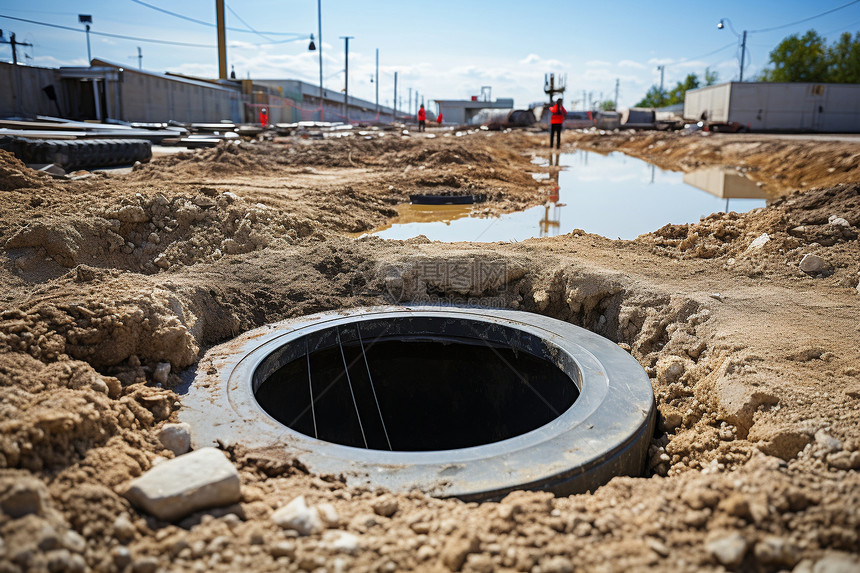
(754, 362)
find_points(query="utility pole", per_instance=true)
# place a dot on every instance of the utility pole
(13, 42)
(139, 58)
(662, 70)
(409, 105)
(319, 35)
(617, 82)
(87, 19)
(584, 101)
(720, 25)
(346, 40)
(222, 39)
(394, 116)
(377, 81)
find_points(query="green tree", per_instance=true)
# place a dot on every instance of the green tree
(799, 59)
(844, 60)
(676, 95)
(606, 105)
(711, 77)
(653, 97)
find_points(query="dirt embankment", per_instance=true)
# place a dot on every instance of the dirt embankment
(753, 359)
(781, 165)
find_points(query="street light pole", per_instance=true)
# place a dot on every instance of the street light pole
(319, 37)
(346, 40)
(662, 70)
(720, 25)
(87, 19)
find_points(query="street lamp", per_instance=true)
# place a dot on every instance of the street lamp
(722, 24)
(319, 37)
(662, 69)
(87, 19)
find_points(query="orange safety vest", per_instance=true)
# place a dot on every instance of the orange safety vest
(439, 118)
(422, 115)
(558, 113)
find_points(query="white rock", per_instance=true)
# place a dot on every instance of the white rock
(385, 506)
(827, 441)
(832, 562)
(123, 528)
(728, 550)
(176, 437)
(840, 221)
(341, 541)
(74, 541)
(813, 264)
(199, 480)
(297, 516)
(132, 214)
(328, 513)
(161, 261)
(759, 242)
(162, 371)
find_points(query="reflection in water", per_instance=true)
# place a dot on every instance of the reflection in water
(408, 214)
(552, 208)
(611, 195)
(725, 184)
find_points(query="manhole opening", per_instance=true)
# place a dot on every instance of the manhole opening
(416, 383)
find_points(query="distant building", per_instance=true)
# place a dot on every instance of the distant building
(764, 106)
(107, 91)
(466, 111)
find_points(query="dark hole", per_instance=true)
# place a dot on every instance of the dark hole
(433, 394)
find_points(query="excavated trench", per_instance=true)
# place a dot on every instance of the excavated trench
(456, 401)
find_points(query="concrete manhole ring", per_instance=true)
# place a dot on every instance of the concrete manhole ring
(456, 401)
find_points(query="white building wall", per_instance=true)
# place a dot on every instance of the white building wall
(779, 106)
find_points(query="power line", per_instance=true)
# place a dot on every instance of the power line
(248, 25)
(727, 46)
(804, 20)
(135, 38)
(212, 25)
(119, 36)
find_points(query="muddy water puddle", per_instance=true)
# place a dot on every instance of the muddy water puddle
(615, 195)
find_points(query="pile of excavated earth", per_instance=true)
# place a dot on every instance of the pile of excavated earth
(113, 286)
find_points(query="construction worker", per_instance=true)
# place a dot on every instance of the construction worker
(556, 122)
(439, 118)
(422, 118)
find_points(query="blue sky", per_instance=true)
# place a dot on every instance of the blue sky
(444, 49)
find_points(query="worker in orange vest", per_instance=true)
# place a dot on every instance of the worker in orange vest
(264, 116)
(422, 118)
(439, 118)
(556, 122)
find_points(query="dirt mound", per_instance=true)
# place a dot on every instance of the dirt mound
(453, 153)
(822, 221)
(781, 168)
(15, 175)
(152, 234)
